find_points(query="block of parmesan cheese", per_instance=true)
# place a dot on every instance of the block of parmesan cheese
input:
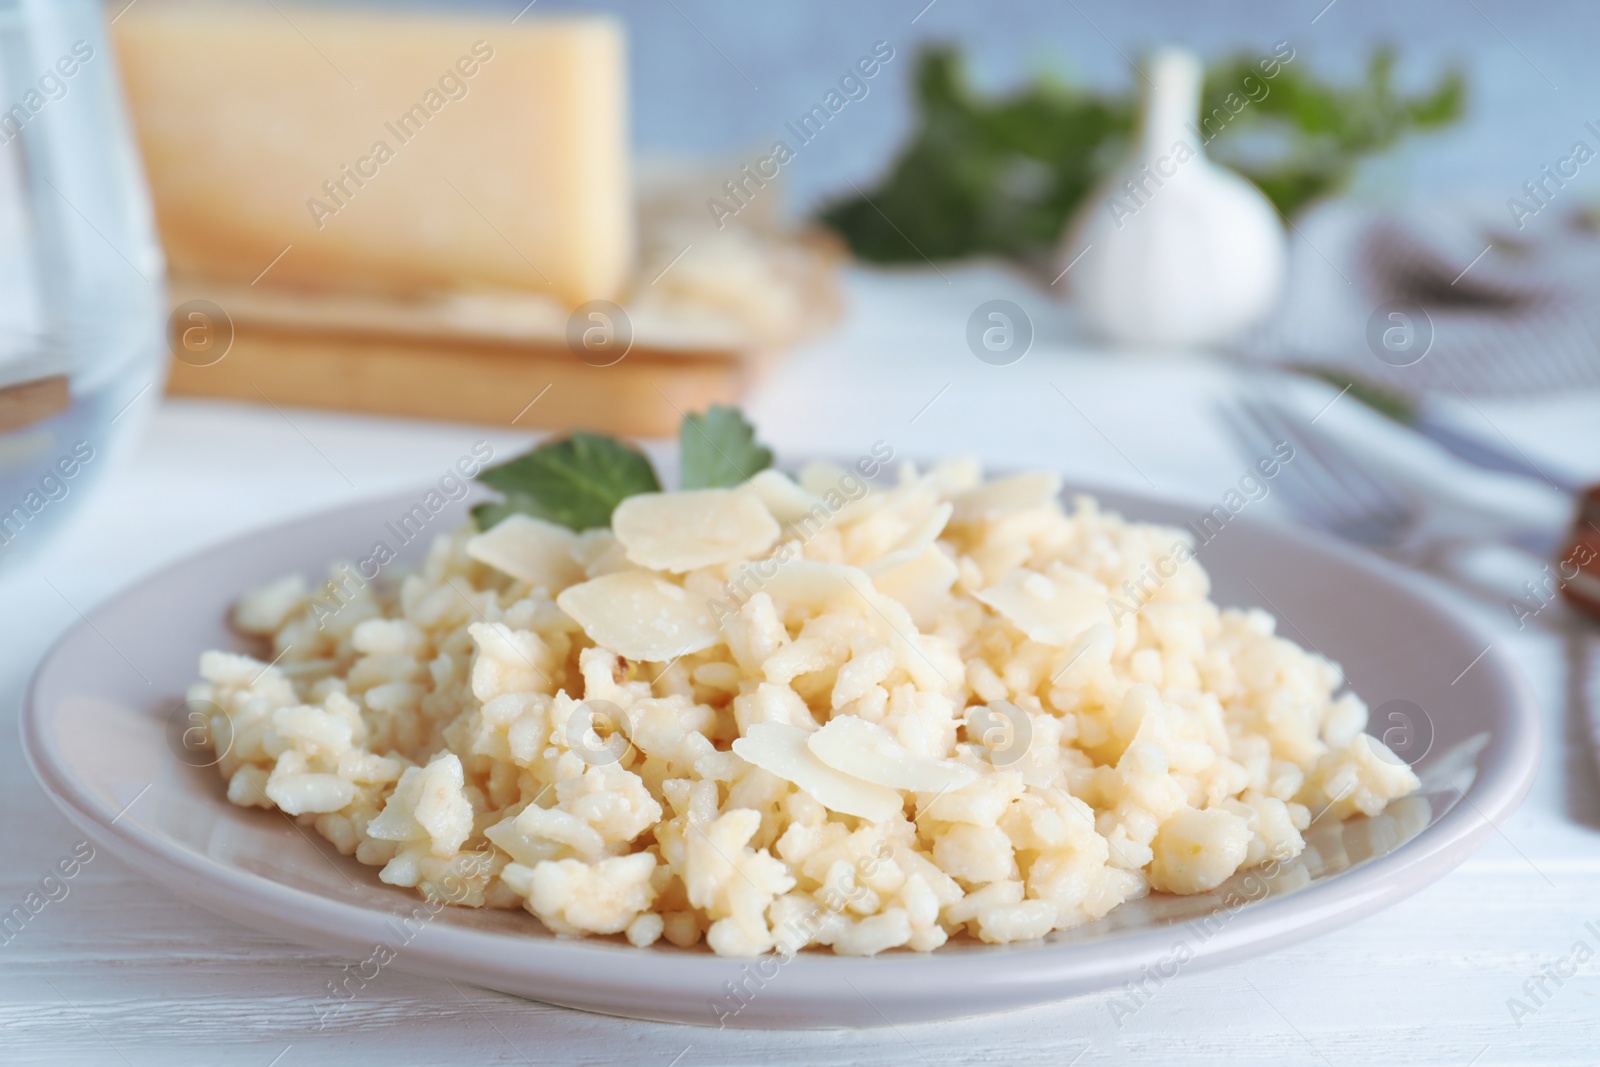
(384, 151)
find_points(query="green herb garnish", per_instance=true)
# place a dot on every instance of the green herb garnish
(1003, 176)
(577, 481)
(719, 449)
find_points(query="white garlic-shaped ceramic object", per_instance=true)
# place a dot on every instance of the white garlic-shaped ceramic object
(1173, 250)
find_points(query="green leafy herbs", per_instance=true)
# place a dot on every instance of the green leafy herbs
(1384, 401)
(577, 481)
(1303, 140)
(998, 176)
(1003, 176)
(719, 449)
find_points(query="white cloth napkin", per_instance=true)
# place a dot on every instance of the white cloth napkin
(1509, 312)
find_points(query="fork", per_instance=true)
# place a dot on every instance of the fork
(1334, 490)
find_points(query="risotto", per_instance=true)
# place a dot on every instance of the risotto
(796, 713)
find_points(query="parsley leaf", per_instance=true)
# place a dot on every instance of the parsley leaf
(984, 175)
(1303, 140)
(719, 449)
(576, 481)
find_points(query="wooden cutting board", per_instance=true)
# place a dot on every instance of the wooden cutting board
(466, 359)
(644, 395)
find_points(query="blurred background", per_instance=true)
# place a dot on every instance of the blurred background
(1529, 73)
(267, 256)
(1141, 243)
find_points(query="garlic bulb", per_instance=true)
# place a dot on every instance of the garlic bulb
(1174, 249)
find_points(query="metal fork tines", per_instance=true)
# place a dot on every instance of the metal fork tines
(1324, 484)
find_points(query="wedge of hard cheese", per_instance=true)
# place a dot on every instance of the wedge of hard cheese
(384, 151)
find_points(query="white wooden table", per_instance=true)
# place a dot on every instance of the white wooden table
(119, 972)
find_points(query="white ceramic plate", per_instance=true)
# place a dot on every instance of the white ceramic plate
(96, 730)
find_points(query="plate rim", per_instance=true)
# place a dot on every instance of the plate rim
(622, 974)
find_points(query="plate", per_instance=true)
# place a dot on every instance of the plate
(103, 721)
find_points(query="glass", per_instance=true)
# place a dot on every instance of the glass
(82, 286)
